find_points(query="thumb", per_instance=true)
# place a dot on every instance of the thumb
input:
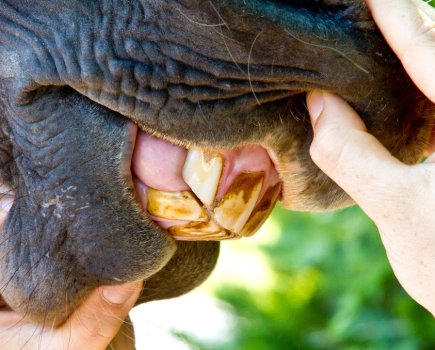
(97, 321)
(344, 150)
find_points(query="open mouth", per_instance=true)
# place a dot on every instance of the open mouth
(204, 194)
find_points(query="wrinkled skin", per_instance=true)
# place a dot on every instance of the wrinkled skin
(206, 73)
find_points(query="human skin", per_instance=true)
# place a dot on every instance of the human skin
(399, 198)
(92, 326)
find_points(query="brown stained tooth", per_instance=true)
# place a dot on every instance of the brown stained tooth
(200, 231)
(175, 206)
(235, 208)
(262, 211)
(202, 172)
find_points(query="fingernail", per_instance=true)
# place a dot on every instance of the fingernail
(315, 104)
(118, 295)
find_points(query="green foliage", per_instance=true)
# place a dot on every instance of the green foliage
(332, 288)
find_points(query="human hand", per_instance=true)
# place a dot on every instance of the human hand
(399, 198)
(92, 326)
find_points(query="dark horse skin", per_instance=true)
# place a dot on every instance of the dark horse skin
(215, 73)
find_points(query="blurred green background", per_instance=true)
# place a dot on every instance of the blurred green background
(315, 281)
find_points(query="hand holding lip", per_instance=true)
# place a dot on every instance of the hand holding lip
(399, 198)
(92, 326)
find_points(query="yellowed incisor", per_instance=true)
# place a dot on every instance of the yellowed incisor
(239, 213)
(234, 210)
(175, 206)
(198, 231)
(262, 211)
(202, 172)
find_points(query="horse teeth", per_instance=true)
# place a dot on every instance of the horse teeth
(235, 208)
(262, 211)
(175, 205)
(202, 172)
(200, 231)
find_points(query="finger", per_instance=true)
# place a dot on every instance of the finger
(349, 155)
(410, 31)
(97, 321)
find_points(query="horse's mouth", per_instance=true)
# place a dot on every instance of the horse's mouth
(204, 194)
